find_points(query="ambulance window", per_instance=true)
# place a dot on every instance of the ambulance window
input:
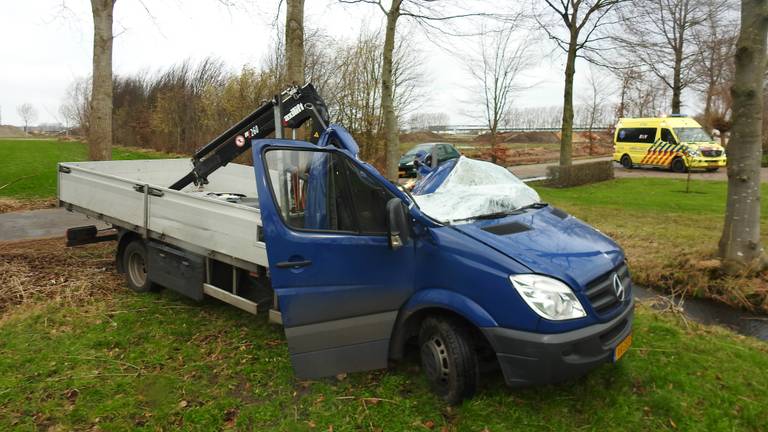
(666, 136)
(637, 135)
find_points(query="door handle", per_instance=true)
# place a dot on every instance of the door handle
(293, 264)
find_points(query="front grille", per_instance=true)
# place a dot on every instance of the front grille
(711, 153)
(600, 291)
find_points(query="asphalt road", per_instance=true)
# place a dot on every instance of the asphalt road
(540, 170)
(41, 223)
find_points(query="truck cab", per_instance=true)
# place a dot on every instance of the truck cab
(467, 270)
(677, 142)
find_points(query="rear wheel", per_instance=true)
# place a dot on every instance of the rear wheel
(626, 161)
(678, 165)
(449, 359)
(135, 266)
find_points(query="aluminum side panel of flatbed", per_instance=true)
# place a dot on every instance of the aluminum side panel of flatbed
(225, 228)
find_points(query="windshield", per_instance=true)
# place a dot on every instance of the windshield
(692, 134)
(474, 189)
(418, 148)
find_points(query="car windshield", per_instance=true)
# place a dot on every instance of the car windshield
(692, 134)
(418, 148)
(474, 190)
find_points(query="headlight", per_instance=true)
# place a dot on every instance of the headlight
(549, 298)
(409, 163)
(694, 153)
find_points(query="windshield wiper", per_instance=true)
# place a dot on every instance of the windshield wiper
(501, 214)
(536, 205)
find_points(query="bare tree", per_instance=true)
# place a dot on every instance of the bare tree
(581, 20)
(740, 246)
(75, 108)
(28, 114)
(594, 104)
(496, 72)
(658, 35)
(424, 12)
(100, 125)
(714, 67)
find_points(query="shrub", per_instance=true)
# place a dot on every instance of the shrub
(580, 174)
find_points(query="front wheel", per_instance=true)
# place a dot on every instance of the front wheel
(449, 359)
(626, 161)
(678, 165)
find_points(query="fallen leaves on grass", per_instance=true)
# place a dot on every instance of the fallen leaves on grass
(45, 270)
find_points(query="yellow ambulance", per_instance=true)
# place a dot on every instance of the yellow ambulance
(676, 142)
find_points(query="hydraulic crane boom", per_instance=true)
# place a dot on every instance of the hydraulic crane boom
(291, 109)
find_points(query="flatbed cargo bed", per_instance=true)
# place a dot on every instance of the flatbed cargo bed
(134, 195)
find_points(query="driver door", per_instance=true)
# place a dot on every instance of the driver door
(338, 283)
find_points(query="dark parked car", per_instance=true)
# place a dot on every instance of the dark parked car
(407, 166)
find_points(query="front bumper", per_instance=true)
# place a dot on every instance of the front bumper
(706, 162)
(533, 358)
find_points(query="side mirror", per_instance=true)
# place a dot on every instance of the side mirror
(397, 223)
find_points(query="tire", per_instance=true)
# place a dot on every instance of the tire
(677, 165)
(449, 359)
(135, 266)
(712, 169)
(626, 161)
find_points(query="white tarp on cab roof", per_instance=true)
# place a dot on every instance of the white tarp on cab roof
(474, 188)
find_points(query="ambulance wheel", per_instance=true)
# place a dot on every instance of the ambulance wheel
(449, 359)
(712, 169)
(626, 161)
(678, 165)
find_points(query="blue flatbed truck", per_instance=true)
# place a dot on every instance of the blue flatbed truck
(358, 270)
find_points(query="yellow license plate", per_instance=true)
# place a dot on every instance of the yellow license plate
(622, 347)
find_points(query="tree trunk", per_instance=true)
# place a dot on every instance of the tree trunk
(566, 134)
(294, 50)
(387, 94)
(294, 42)
(493, 145)
(740, 246)
(100, 124)
(677, 81)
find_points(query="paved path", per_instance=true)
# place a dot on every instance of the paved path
(41, 223)
(540, 170)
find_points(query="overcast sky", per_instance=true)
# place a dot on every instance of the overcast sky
(46, 44)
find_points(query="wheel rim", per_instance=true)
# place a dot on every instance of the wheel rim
(434, 356)
(137, 269)
(625, 162)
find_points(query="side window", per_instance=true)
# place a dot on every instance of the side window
(369, 200)
(318, 190)
(442, 152)
(637, 135)
(667, 136)
(310, 189)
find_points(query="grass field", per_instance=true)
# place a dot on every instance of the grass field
(669, 236)
(103, 357)
(28, 166)
(78, 351)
